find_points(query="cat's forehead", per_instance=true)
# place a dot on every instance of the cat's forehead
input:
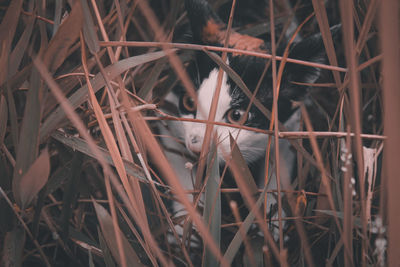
(249, 69)
(240, 64)
(206, 92)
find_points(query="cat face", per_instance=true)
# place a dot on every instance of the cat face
(230, 109)
(233, 105)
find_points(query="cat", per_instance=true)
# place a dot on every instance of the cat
(208, 29)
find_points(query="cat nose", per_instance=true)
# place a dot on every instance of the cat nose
(195, 139)
(195, 143)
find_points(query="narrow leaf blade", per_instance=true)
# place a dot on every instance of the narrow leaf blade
(212, 205)
(34, 179)
(107, 228)
(3, 118)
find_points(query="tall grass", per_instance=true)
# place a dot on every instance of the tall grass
(84, 179)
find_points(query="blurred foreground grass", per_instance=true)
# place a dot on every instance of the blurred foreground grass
(83, 180)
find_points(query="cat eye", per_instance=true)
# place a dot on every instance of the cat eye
(237, 116)
(188, 103)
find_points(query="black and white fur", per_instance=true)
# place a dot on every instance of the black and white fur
(233, 102)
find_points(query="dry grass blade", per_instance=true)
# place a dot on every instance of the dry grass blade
(7, 31)
(33, 180)
(148, 86)
(370, 172)
(322, 18)
(109, 118)
(65, 37)
(13, 117)
(54, 56)
(19, 50)
(318, 156)
(219, 49)
(89, 31)
(212, 205)
(366, 26)
(27, 231)
(13, 247)
(107, 228)
(243, 169)
(106, 252)
(116, 157)
(3, 118)
(82, 146)
(248, 197)
(28, 140)
(276, 82)
(244, 227)
(80, 96)
(346, 8)
(250, 254)
(347, 201)
(390, 38)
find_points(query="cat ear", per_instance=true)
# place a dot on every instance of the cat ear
(311, 49)
(209, 29)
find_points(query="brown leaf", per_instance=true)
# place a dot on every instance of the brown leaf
(301, 204)
(13, 247)
(89, 30)
(80, 96)
(3, 118)
(34, 179)
(20, 48)
(241, 169)
(27, 149)
(107, 229)
(7, 31)
(65, 37)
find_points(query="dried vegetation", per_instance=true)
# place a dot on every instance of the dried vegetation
(84, 181)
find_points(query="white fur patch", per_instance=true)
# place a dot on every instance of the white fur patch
(251, 144)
